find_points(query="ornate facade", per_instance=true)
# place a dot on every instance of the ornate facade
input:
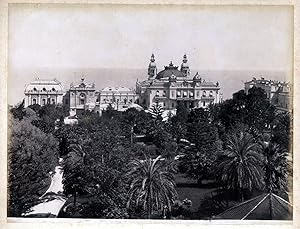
(43, 92)
(81, 97)
(171, 86)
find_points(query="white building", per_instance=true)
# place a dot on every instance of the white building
(43, 92)
(172, 85)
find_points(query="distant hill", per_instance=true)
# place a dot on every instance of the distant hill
(230, 81)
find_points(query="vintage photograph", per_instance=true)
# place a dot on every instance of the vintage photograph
(161, 112)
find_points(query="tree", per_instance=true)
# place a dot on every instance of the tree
(282, 131)
(200, 156)
(253, 109)
(32, 154)
(18, 111)
(152, 185)
(156, 111)
(276, 168)
(182, 112)
(240, 167)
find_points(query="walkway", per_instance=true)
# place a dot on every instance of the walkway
(53, 199)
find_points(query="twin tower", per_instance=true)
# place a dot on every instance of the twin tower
(152, 68)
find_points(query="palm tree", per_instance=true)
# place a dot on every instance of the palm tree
(241, 165)
(156, 111)
(276, 168)
(152, 185)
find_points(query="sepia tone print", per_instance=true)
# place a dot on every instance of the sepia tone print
(170, 112)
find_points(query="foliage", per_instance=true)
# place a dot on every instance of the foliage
(152, 185)
(253, 109)
(182, 112)
(282, 130)
(32, 154)
(276, 168)
(240, 167)
(200, 156)
(156, 111)
(18, 111)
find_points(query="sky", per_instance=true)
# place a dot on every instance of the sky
(215, 38)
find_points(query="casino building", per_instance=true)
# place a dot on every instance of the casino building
(173, 85)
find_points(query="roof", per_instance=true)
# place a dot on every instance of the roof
(83, 85)
(267, 206)
(168, 71)
(116, 89)
(44, 85)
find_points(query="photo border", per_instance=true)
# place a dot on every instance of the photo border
(25, 223)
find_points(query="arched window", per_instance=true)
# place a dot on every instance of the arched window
(44, 89)
(53, 101)
(204, 93)
(53, 89)
(34, 101)
(34, 89)
(82, 99)
(44, 102)
(210, 93)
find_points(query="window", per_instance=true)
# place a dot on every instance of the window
(130, 100)
(178, 94)
(198, 93)
(53, 101)
(204, 94)
(157, 93)
(44, 102)
(53, 89)
(34, 101)
(44, 89)
(191, 94)
(172, 93)
(172, 105)
(164, 104)
(184, 94)
(125, 100)
(204, 103)
(81, 101)
(67, 101)
(164, 94)
(34, 89)
(210, 94)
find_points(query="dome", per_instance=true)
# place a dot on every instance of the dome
(169, 71)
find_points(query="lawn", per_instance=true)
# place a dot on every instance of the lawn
(188, 188)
